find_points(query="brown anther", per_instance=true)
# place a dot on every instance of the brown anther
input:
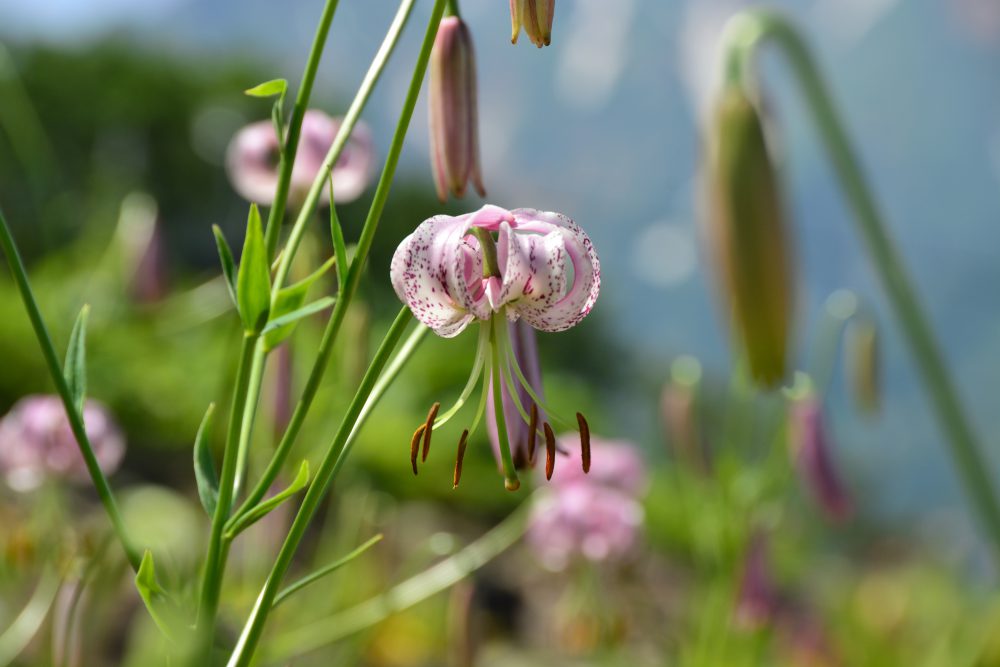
(415, 446)
(584, 441)
(462, 442)
(428, 429)
(550, 451)
(532, 434)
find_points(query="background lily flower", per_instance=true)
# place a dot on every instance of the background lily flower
(453, 113)
(535, 16)
(36, 440)
(615, 464)
(252, 160)
(810, 450)
(438, 270)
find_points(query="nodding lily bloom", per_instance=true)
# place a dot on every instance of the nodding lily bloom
(535, 16)
(810, 450)
(253, 156)
(540, 269)
(453, 114)
(36, 441)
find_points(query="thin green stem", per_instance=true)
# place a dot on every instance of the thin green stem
(249, 417)
(343, 135)
(20, 275)
(416, 589)
(291, 589)
(491, 267)
(287, 160)
(218, 548)
(744, 34)
(16, 638)
(349, 288)
(247, 644)
(511, 481)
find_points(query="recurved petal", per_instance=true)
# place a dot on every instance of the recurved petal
(430, 271)
(547, 247)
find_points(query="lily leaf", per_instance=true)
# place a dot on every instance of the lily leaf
(161, 608)
(75, 368)
(298, 314)
(228, 265)
(204, 466)
(339, 247)
(253, 280)
(262, 509)
(268, 88)
(325, 570)
(289, 300)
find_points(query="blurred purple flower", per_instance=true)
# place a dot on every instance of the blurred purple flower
(596, 516)
(36, 440)
(252, 160)
(522, 441)
(759, 598)
(810, 450)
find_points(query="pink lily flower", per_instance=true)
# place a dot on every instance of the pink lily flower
(252, 160)
(540, 269)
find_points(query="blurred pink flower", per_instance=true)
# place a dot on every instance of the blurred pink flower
(810, 451)
(759, 597)
(614, 464)
(252, 160)
(36, 440)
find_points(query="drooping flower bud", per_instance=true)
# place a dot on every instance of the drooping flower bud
(810, 450)
(749, 236)
(535, 16)
(453, 115)
(863, 351)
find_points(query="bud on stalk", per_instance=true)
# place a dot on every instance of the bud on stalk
(863, 349)
(454, 117)
(749, 237)
(535, 16)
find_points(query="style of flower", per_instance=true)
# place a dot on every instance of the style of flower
(453, 114)
(36, 441)
(810, 451)
(540, 269)
(535, 16)
(596, 517)
(253, 156)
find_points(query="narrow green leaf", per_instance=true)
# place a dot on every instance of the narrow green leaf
(228, 265)
(261, 510)
(75, 368)
(204, 466)
(253, 280)
(289, 300)
(325, 570)
(299, 313)
(268, 88)
(153, 596)
(339, 247)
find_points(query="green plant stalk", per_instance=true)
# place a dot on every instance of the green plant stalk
(287, 160)
(744, 34)
(414, 590)
(26, 625)
(20, 275)
(350, 287)
(284, 266)
(249, 415)
(247, 644)
(211, 585)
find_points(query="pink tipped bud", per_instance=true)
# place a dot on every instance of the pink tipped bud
(535, 16)
(454, 118)
(749, 236)
(810, 450)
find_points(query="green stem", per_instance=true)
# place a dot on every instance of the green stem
(55, 370)
(218, 548)
(27, 624)
(249, 416)
(744, 33)
(247, 644)
(491, 267)
(287, 160)
(511, 483)
(416, 589)
(343, 135)
(349, 288)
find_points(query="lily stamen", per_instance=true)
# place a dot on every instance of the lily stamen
(584, 441)
(462, 442)
(550, 451)
(415, 446)
(429, 429)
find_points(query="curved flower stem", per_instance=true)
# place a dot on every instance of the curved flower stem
(19, 634)
(350, 286)
(249, 416)
(287, 159)
(247, 644)
(217, 547)
(511, 482)
(55, 370)
(744, 34)
(416, 589)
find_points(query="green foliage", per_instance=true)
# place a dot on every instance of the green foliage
(253, 279)
(204, 466)
(76, 360)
